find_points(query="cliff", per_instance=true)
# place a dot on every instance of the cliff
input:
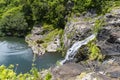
(106, 45)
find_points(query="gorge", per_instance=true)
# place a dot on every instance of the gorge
(59, 39)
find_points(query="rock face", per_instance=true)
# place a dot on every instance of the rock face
(108, 41)
(92, 70)
(109, 35)
(36, 41)
(76, 31)
(108, 38)
(53, 45)
(33, 40)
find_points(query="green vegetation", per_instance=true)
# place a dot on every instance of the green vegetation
(94, 52)
(7, 73)
(13, 23)
(52, 35)
(19, 16)
(98, 24)
(48, 76)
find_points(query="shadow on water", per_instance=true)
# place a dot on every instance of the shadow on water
(16, 51)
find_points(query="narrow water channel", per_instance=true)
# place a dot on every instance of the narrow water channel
(16, 51)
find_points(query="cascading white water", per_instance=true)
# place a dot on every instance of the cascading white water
(73, 50)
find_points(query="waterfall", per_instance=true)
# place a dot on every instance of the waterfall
(71, 52)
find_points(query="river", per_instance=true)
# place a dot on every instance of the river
(16, 51)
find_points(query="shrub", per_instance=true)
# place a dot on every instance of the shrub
(52, 12)
(95, 53)
(13, 22)
(7, 73)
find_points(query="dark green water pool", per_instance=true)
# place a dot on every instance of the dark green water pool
(16, 51)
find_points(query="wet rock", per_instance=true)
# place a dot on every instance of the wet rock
(108, 37)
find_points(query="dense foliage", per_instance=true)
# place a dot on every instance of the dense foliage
(20, 15)
(7, 73)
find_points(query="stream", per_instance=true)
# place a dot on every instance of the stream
(16, 51)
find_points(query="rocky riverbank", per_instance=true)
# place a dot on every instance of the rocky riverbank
(105, 47)
(39, 43)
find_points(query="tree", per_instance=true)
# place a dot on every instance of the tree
(13, 22)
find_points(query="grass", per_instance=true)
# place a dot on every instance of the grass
(95, 53)
(51, 35)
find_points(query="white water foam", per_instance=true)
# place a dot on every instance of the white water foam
(73, 50)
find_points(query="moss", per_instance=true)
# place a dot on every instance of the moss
(87, 19)
(98, 24)
(70, 34)
(78, 14)
(95, 53)
(48, 36)
(116, 3)
(110, 5)
(48, 27)
(44, 45)
(60, 49)
(48, 76)
(51, 35)
(29, 35)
